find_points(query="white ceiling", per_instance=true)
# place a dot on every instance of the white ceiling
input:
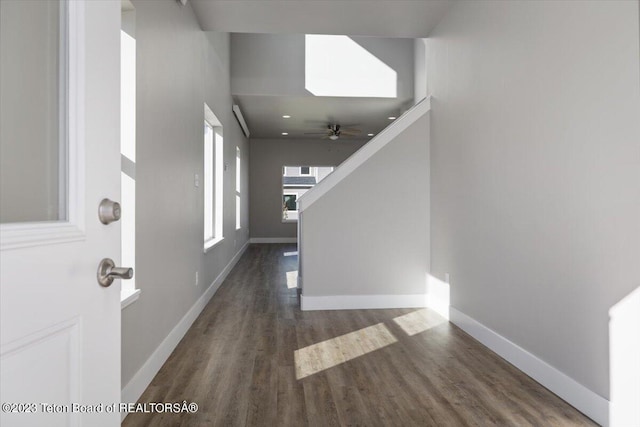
(312, 114)
(382, 18)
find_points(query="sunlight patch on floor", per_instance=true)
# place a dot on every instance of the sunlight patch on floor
(327, 354)
(292, 279)
(419, 321)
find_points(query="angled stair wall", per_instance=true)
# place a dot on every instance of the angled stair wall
(364, 230)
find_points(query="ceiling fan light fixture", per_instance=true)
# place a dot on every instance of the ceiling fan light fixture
(333, 137)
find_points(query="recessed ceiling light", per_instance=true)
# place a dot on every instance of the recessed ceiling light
(391, 117)
(285, 133)
(369, 134)
(286, 116)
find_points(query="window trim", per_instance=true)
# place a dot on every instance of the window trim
(216, 184)
(212, 243)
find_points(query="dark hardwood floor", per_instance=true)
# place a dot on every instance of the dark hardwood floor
(253, 358)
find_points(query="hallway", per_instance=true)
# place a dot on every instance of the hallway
(397, 367)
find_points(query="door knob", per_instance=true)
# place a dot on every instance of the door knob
(108, 211)
(107, 271)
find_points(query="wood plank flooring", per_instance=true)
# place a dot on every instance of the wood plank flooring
(253, 358)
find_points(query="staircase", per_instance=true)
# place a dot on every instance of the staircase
(363, 232)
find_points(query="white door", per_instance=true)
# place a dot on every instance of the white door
(60, 154)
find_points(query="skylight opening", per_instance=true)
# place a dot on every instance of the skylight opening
(338, 66)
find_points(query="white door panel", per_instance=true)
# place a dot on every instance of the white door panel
(60, 330)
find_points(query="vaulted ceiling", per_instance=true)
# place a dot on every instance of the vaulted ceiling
(348, 62)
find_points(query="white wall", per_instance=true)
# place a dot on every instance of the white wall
(179, 69)
(274, 64)
(368, 235)
(535, 165)
(420, 55)
(322, 172)
(268, 156)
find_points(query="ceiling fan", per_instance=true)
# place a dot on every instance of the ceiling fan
(335, 131)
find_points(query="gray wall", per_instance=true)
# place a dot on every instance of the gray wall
(377, 242)
(179, 69)
(535, 167)
(268, 156)
(274, 64)
(267, 64)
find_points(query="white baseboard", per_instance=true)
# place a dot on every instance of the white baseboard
(591, 404)
(141, 380)
(355, 302)
(274, 240)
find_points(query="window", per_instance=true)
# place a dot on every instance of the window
(128, 291)
(297, 180)
(208, 182)
(213, 179)
(238, 163)
(289, 201)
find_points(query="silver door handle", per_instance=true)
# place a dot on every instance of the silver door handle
(107, 272)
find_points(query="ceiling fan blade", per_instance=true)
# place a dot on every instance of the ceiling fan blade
(315, 133)
(346, 132)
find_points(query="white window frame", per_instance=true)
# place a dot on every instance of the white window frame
(213, 180)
